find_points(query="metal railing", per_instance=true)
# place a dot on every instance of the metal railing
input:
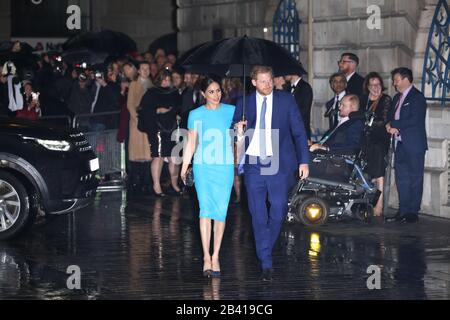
(436, 67)
(100, 130)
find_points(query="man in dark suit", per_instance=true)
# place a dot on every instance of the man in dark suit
(276, 153)
(407, 124)
(346, 138)
(347, 65)
(303, 95)
(190, 97)
(338, 84)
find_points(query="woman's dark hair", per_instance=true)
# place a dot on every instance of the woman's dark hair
(206, 82)
(370, 76)
(161, 76)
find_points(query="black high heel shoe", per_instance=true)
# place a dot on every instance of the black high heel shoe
(207, 273)
(159, 195)
(173, 192)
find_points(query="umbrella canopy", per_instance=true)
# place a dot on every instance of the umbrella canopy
(167, 42)
(79, 56)
(23, 59)
(235, 57)
(106, 41)
(237, 54)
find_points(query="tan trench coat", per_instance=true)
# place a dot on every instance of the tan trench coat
(139, 147)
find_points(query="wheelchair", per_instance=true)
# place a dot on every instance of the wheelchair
(337, 188)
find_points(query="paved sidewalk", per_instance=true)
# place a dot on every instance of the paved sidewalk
(148, 248)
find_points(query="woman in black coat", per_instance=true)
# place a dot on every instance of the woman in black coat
(160, 107)
(378, 104)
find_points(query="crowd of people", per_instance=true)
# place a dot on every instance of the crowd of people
(156, 98)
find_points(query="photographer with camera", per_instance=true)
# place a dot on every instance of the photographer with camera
(81, 96)
(31, 108)
(106, 99)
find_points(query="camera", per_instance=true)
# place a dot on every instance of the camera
(98, 75)
(82, 77)
(35, 96)
(9, 69)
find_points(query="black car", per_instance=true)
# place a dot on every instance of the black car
(42, 166)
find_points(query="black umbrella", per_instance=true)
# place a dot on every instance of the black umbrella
(107, 41)
(243, 52)
(79, 56)
(166, 42)
(236, 57)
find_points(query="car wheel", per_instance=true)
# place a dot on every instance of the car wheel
(15, 213)
(313, 211)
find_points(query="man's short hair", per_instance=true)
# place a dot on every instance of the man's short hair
(404, 73)
(143, 62)
(354, 100)
(337, 74)
(351, 56)
(260, 69)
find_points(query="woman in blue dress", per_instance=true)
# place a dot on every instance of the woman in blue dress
(210, 143)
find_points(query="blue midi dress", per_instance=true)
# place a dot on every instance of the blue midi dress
(213, 164)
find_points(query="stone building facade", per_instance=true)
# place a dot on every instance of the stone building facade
(144, 21)
(338, 26)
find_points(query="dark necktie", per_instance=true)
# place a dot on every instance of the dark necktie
(293, 88)
(336, 111)
(262, 129)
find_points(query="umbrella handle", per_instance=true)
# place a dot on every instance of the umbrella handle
(244, 127)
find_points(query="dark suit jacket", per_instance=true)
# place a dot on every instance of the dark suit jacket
(412, 121)
(355, 85)
(303, 95)
(347, 138)
(329, 113)
(293, 145)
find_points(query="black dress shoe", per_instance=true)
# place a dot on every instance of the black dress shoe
(396, 218)
(410, 218)
(267, 275)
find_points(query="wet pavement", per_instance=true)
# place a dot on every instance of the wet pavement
(149, 248)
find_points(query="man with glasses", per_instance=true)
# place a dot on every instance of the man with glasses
(347, 65)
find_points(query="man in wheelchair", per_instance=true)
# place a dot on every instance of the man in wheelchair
(337, 186)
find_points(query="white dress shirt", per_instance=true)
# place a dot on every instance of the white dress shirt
(294, 85)
(350, 76)
(253, 148)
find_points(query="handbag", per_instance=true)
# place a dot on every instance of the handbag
(189, 177)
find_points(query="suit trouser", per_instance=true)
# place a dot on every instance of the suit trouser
(409, 170)
(266, 222)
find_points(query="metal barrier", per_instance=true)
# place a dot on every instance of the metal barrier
(101, 130)
(65, 120)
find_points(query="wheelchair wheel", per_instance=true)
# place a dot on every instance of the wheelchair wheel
(363, 212)
(312, 212)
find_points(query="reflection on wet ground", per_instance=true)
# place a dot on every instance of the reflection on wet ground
(147, 248)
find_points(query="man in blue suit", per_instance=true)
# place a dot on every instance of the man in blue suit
(407, 124)
(276, 152)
